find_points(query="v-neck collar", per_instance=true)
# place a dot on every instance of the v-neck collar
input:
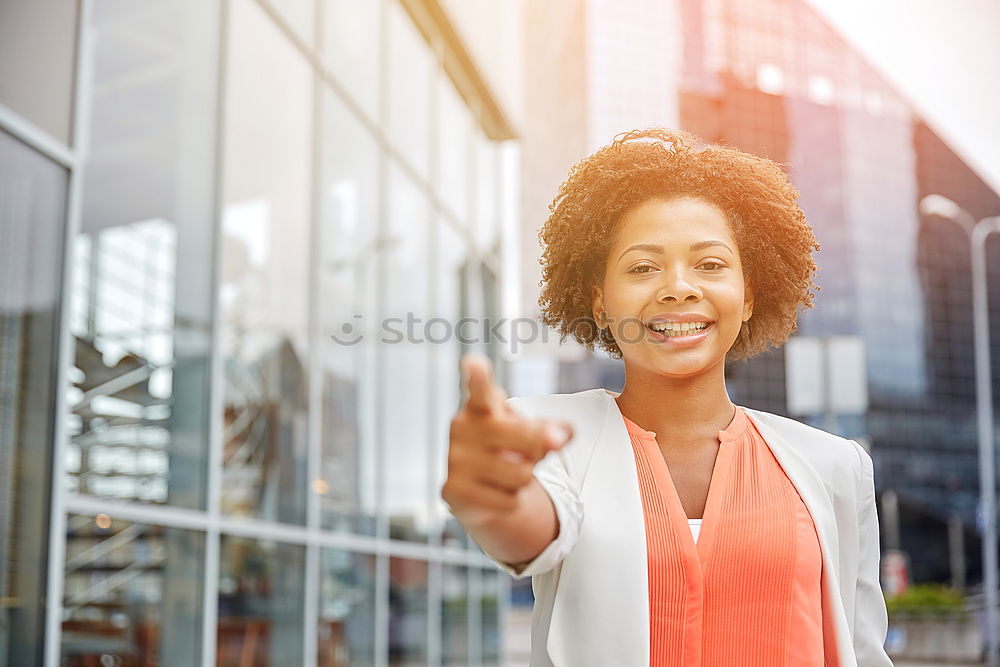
(697, 553)
(734, 431)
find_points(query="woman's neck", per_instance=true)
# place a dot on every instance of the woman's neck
(681, 411)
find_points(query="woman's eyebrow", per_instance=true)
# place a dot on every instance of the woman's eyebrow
(652, 247)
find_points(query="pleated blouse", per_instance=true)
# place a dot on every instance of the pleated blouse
(749, 591)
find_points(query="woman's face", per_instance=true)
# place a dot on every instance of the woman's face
(675, 261)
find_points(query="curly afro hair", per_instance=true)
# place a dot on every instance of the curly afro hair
(775, 240)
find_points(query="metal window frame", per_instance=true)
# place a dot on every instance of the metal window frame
(57, 514)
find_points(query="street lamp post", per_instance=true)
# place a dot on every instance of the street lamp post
(977, 233)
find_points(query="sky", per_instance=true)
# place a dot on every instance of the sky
(941, 55)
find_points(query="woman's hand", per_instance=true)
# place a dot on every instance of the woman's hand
(492, 449)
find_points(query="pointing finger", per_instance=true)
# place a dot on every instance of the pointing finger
(484, 396)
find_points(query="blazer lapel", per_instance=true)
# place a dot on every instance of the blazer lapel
(600, 614)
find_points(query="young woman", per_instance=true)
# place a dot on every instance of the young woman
(665, 525)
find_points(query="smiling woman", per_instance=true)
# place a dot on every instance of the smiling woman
(752, 196)
(683, 288)
(666, 525)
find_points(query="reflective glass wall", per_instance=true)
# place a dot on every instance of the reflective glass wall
(33, 194)
(35, 189)
(259, 207)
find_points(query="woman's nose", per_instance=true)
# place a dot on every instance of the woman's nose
(677, 285)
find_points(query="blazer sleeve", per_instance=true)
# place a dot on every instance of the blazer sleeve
(553, 472)
(870, 617)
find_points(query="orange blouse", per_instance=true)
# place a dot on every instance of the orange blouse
(749, 591)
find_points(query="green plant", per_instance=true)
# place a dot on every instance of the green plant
(927, 600)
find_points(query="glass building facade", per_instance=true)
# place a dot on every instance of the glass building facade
(222, 436)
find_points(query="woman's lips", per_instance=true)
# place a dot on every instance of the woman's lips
(686, 340)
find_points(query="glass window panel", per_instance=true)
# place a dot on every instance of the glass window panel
(141, 297)
(261, 601)
(411, 73)
(132, 593)
(470, 298)
(455, 616)
(492, 632)
(351, 48)
(265, 270)
(348, 248)
(407, 612)
(405, 357)
(32, 229)
(454, 143)
(452, 253)
(37, 62)
(491, 302)
(346, 633)
(300, 16)
(487, 193)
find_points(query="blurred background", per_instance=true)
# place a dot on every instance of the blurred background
(207, 207)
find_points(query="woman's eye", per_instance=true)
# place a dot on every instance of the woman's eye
(711, 266)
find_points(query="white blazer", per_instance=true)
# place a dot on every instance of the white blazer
(590, 583)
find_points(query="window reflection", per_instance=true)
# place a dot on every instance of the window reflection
(132, 594)
(489, 617)
(141, 299)
(487, 215)
(33, 201)
(451, 255)
(351, 48)
(454, 149)
(455, 615)
(300, 15)
(124, 358)
(407, 612)
(260, 603)
(411, 73)
(347, 284)
(265, 279)
(346, 633)
(406, 362)
(491, 306)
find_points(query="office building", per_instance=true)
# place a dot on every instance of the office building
(211, 449)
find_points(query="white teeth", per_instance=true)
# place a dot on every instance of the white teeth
(675, 327)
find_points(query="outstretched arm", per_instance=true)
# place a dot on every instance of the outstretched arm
(506, 483)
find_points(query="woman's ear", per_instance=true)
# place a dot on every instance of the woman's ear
(747, 302)
(597, 301)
